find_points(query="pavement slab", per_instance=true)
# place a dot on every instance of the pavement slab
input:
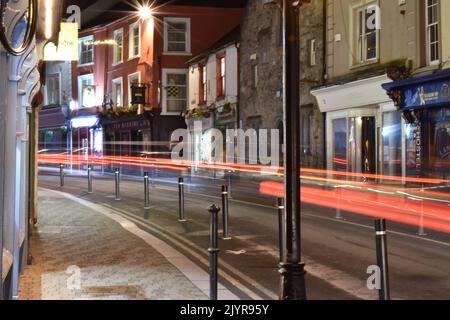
(80, 253)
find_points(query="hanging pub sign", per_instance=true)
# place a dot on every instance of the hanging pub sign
(138, 94)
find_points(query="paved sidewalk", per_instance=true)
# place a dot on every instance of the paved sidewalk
(82, 253)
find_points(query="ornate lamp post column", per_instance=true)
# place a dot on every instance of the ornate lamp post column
(291, 268)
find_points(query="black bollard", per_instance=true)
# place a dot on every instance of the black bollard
(225, 213)
(117, 176)
(89, 172)
(281, 229)
(213, 252)
(61, 175)
(382, 258)
(146, 191)
(181, 200)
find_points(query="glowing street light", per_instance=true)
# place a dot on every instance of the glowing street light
(145, 12)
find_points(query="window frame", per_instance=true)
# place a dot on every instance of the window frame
(115, 47)
(132, 75)
(165, 73)
(113, 95)
(221, 84)
(203, 84)
(58, 75)
(428, 27)
(359, 50)
(131, 42)
(185, 20)
(80, 41)
(80, 89)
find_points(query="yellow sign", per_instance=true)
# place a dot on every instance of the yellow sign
(67, 49)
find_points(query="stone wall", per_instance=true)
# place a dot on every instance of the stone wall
(261, 73)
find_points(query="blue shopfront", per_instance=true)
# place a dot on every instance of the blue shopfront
(425, 105)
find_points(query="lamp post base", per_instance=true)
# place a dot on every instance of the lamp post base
(292, 285)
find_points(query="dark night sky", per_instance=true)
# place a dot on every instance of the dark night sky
(92, 17)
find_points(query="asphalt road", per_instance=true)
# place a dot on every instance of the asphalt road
(337, 252)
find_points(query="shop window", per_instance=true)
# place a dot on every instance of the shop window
(118, 47)
(135, 40)
(340, 144)
(175, 82)
(367, 34)
(440, 146)
(432, 32)
(392, 143)
(177, 35)
(86, 51)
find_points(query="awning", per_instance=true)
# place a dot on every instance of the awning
(52, 118)
(353, 94)
(84, 122)
(420, 92)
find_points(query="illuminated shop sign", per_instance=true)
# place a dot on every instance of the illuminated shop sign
(67, 48)
(421, 92)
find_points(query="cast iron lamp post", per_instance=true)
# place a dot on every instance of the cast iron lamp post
(291, 269)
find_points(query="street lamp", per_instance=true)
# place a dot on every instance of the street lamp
(291, 269)
(145, 11)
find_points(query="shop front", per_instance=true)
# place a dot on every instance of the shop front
(424, 103)
(130, 137)
(85, 140)
(53, 129)
(363, 127)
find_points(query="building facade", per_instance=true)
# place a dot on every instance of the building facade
(424, 98)
(369, 44)
(261, 70)
(213, 93)
(147, 53)
(54, 133)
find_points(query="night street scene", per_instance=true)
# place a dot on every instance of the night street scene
(226, 156)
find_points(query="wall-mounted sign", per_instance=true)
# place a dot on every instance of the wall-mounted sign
(88, 93)
(138, 94)
(67, 48)
(421, 92)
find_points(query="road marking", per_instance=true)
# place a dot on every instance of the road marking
(323, 218)
(154, 228)
(371, 228)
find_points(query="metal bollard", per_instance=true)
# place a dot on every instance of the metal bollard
(339, 197)
(421, 231)
(181, 200)
(89, 172)
(281, 207)
(146, 191)
(382, 258)
(229, 185)
(213, 252)
(225, 213)
(61, 175)
(117, 174)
